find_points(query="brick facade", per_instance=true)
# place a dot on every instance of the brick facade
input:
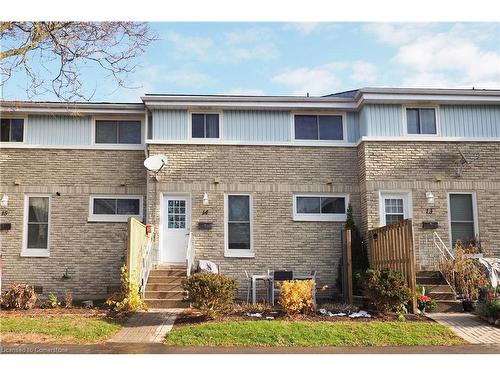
(418, 167)
(271, 175)
(90, 252)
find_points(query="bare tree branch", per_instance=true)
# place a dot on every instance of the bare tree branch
(34, 48)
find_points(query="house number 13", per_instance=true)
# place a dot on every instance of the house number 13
(429, 211)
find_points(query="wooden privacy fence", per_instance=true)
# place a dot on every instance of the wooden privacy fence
(391, 247)
(138, 248)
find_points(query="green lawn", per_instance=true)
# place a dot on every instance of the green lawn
(283, 333)
(56, 329)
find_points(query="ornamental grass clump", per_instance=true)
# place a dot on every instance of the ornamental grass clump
(387, 289)
(296, 296)
(128, 299)
(470, 276)
(212, 294)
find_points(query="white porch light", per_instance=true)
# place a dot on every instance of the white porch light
(4, 202)
(205, 199)
(430, 197)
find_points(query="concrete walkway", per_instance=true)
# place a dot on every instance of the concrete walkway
(147, 326)
(469, 327)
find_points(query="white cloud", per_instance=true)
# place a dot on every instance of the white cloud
(451, 58)
(320, 80)
(364, 72)
(190, 46)
(305, 28)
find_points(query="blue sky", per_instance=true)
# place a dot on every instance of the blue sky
(300, 58)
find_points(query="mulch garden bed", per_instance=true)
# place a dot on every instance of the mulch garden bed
(36, 312)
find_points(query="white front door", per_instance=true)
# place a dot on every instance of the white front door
(176, 224)
(394, 207)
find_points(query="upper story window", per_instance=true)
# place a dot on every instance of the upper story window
(320, 207)
(205, 125)
(12, 130)
(319, 127)
(118, 131)
(421, 121)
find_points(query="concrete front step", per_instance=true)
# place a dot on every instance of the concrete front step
(166, 303)
(431, 280)
(177, 280)
(443, 288)
(162, 294)
(163, 287)
(448, 306)
(428, 274)
(168, 272)
(442, 296)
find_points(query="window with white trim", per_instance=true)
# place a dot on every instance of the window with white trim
(118, 132)
(421, 121)
(462, 218)
(320, 207)
(11, 130)
(319, 127)
(36, 225)
(394, 207)
(115, 209)
(238, 228)
(205, 125)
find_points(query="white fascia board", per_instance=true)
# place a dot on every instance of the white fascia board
(289, 106)
(427, 98)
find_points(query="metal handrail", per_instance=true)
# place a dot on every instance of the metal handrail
(189, 255)
(446, 261)
(147, 265)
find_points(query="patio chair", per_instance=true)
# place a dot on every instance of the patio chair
(277, 278)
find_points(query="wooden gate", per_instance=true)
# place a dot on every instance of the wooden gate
(391, 247)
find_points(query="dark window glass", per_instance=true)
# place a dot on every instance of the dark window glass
(198, 126)
(421, 121)
(38, 222)
(333, 205)
(5, 130)
(150, 126)
(212, 126)
(428, 121)
(129, 132)
(308, 205)
(16, 130)
(238, 222)
(306, 127)
(330, 128)
(462, 218)
(104, 206)
(106, 131)
(128, 206)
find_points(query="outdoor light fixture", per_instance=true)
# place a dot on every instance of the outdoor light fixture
(205, 199)
(4, 202)
(430, 197)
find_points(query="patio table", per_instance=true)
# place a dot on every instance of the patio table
(254, 282)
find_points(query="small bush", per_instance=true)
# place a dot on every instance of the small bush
(489, 309)
(387, 290)
(19, 297)
(470, 276)
(296, 296)
(211, 293)
(128, 299)
(51, 301)
(339, 307)
(68, 299)
(251, 308)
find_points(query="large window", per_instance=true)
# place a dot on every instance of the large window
(320, 207)
(462, 218)
(115, 209)
(12, 130)
(205, 125)
(421, 121)
(319, 127)
(118, 132)
(238, 225)
(36, 226)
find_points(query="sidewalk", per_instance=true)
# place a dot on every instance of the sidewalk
(469, 327)
(147, 326)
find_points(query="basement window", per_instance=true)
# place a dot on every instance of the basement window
(114, 208)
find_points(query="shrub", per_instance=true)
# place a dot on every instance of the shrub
(51, 301)
(19, 297)
(128, 299)
(489, 309)
(68, 299)
(470, 277)
(387, 290)
(211, 293)
(296, 296)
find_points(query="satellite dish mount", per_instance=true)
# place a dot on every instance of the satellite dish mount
(155, 163)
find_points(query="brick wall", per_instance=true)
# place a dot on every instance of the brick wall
(92, 253)
(272, 175)
(417, 167)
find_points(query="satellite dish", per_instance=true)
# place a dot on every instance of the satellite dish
(155, 163)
